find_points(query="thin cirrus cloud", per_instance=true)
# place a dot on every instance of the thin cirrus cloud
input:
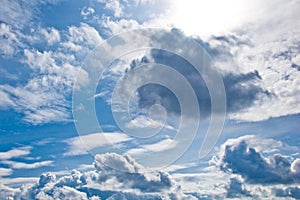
(22, 165)
(15, 153)
(81, 144)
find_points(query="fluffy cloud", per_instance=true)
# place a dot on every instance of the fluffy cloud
(9, 40)
(268, 51)
(51, 35)
(236, 188)
(113, 5)
(237, 157)
(114, 177)
(45, 97)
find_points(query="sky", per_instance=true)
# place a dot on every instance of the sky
(149, 99)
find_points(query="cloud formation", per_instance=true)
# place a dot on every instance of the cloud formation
(114, 177)
(237, 157)
(45, 96)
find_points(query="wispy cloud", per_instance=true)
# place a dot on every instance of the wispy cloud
(5, 172)
(23, 165)
(15, 153)
(81, 144)
(160, 146)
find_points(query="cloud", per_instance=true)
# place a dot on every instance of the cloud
(237, 157)
(115, 176)
(293, 192)
(18, 13)
(252, 48)
(105, 182)
(144, 122)
(79, 145)
(160, 146)
(46, 96)
(87, 11)
(51, 35)
(5, 172)
(117, 26)
(81, 40)
(113, 5)
(9, 40)
(236, 188)
(22, 165)
(15, 153)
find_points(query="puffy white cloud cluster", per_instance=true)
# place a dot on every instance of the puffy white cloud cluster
(249, 175)
(114, 177)
(45, 96)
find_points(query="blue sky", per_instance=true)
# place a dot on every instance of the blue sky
(146, 99)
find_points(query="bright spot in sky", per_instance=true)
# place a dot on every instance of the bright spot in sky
(205, 17)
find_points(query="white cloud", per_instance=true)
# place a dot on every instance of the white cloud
(15, 153)
(117, 176)
(5, 172)
(295, 166)
(45, 97)
(104, 182)
(160, 146)
(51, 35)
(22, 165)
(119, 26)
(5, 101)
(113, 5)
(9, 40)
(87, 11)
(82, 39)
(143, 122)
(17, 13)
(79, 145)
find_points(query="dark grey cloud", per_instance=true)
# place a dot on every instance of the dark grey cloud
(242, 90)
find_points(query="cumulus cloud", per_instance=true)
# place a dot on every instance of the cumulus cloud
(51, 35)
(45, 97)
(114, 6)
(114, 177)
(237, 157)
(236, 188)
(9, 40)
(270, 52)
